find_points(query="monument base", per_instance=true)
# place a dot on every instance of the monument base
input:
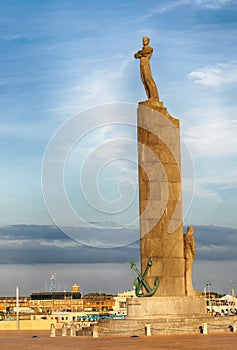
(190, 324)
(156, 307)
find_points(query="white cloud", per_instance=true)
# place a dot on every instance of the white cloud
(104, 82)
(218, 75)
(201, 191)
(213, 139)
(13, 37)
(103, 85)
(14, 243)
(57, 243)
(169, 6)
(224, 181)
(213, 4)
(22, 130)
(211, 187)
(8, 243)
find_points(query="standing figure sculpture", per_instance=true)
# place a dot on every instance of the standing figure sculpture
(189, 254)
(144, 55)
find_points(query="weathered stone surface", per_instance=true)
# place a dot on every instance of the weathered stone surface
(151, 308)
(151, 246)
(160, 199)
(171, 248)
(154, 211)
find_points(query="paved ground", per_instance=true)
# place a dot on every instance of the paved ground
(24, 340)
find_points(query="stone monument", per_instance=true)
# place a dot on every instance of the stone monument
(163, 244)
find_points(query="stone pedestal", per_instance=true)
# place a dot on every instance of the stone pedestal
(160, 198)
(158, 307)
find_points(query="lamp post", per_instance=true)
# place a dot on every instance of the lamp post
(205, 293)
(208, 285)
(233, 296)
(17, 309)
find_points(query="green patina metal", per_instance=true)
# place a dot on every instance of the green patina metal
(140, 281)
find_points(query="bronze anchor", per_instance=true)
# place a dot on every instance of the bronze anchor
(140, 281)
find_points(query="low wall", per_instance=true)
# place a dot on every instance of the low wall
(27, 325)
(168, 325)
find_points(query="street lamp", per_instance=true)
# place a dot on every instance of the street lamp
(208, 285)
(233, 296)
(17, 308)
(205, 291)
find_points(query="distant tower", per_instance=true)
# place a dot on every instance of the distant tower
(76, 288)
(52, 285)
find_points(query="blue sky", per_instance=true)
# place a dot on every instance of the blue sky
(60, 59)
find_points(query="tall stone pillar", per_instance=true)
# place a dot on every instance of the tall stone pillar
(160, 198)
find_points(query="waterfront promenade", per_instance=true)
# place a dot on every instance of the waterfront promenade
(40, 340)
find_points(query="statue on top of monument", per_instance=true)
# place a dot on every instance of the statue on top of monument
(144, 55)
(189, 254)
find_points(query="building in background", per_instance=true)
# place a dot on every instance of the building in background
(120, 306)
(98, 302)
(45, 302)
(48, 302)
